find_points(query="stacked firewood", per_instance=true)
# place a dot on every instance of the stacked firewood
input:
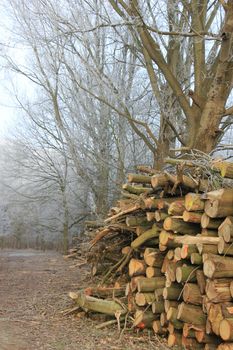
(177, 258)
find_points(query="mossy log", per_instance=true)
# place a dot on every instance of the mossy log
(138, 178)
(196, 258)
(136, 189)
(174, 292)
(150, 284)
(88, 303)
(133, 221)
(186, 274)
(160, 215)
(151, 233)
(157, 307)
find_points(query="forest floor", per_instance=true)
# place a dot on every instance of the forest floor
(34, 290)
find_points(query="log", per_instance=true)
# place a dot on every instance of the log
(225, 168)
(137, 267)
(188, 331)
(160, 215)
(170, 254)
(150, 284)
(158, 328)
(174, 292)
(216, 209)
(209, 233)
(226, 229)
(151, 202)
(158, 294)
(218, 266)
(201, 281)
(150, 216)
(143, 319)
(176, 208)
(196, 258)
(133, 221)
(225, 346)
(153, 257)
(187, 250)
(191, 314)
(177, 254)
(174, 339)
(146, 169)
(163, 319)
(218, 290)
(141, 229)
(179, 226)
(170, 303)
(105, 292)
(211, 346)
(207, 248)
(226, 329)
(172, 318)
(151, 233)
(192, 294)
(153, 272)
(231, 289)
(123, 212)
(143, 299)
(159, 180)
(138, 178)
(191, 240)
(224, 248)
(207, 222)
(108, 307)
(193, 202)
(157, 307)
(191, 343)
(186, 181)
(136, 189)
(186, 274)
(190, 216)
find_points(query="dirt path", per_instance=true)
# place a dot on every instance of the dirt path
(33, 294)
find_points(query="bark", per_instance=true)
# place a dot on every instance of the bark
(138, 178)
(218, 266)
(179, 226)
(151, 233)
(218, 290)
(150, 284)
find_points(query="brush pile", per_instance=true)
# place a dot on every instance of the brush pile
(165, 255)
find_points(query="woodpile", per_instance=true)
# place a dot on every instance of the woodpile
(172, 268)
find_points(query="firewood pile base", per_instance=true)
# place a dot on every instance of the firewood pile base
(165, 256)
